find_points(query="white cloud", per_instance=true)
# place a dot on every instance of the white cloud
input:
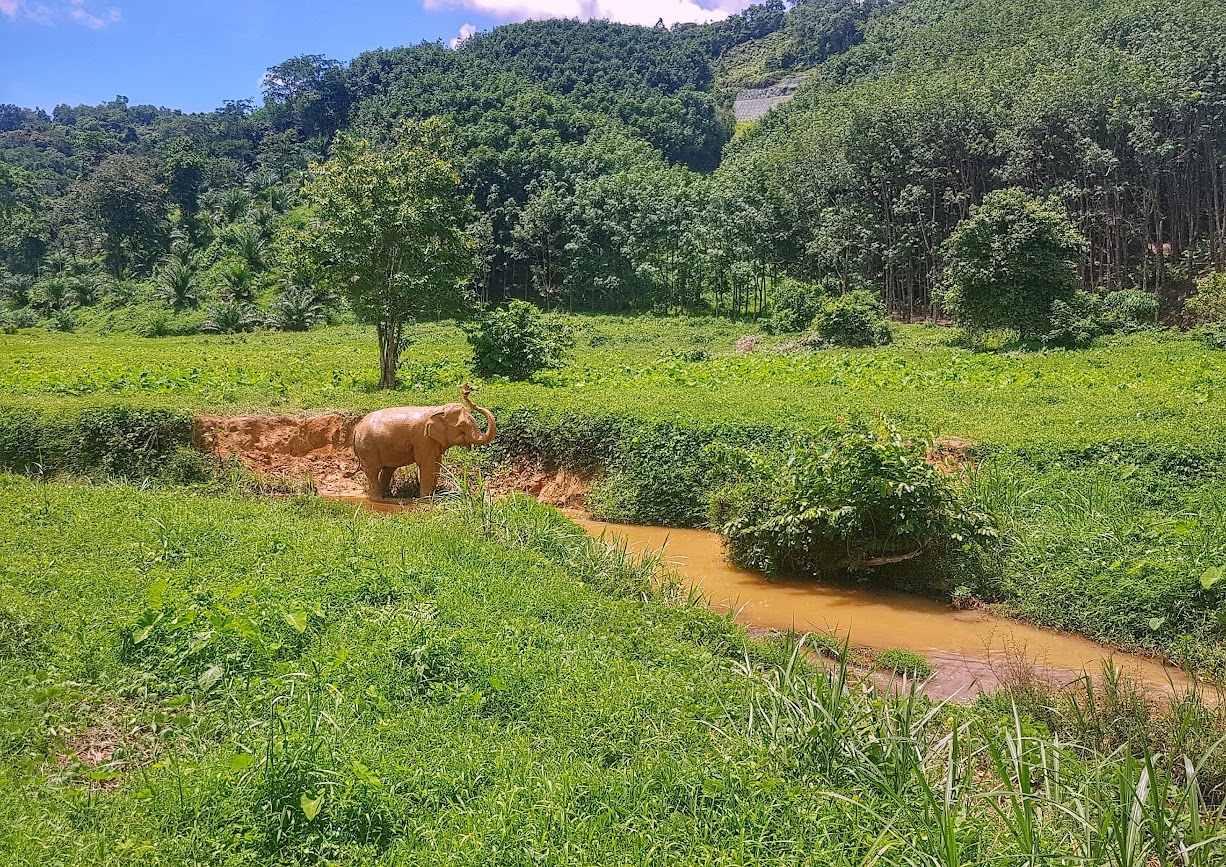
(466, 30)
(645, 12)
(74, 10)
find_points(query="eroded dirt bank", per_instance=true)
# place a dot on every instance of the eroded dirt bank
(315, 449)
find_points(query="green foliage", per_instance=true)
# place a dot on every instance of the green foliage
(1132, 308)
(231, 317)
(1009, 262)
(904, 662)
(793, 306)
(177, 284)
(518, 341)
(855, 318)
(387, 234)
(1076, 321)
(296, 308)
(1208, 305)
(848, 500)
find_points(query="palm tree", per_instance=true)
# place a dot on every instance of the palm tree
(236, 278)
(177, 284)
(297, 308)
(249, 243)
(230, 317)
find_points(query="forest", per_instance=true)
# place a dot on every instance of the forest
(607, 175)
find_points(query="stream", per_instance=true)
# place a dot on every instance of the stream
(971, 650)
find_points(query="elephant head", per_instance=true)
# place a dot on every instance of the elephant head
(454, 425)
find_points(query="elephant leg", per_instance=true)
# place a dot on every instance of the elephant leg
(427, 472)
(385, 480)
(374, 488)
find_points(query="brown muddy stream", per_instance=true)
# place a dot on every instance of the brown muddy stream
(969, 649)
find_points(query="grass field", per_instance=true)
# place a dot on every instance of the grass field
(1161, 390)
(213, 678)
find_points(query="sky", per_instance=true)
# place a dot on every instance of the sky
(195, 54)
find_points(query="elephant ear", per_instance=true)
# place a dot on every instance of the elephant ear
(436, 427)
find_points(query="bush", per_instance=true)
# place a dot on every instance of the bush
(1075, 322)
(61, 320)
(518, 341)
(904, 662)
(793, 306)
(1132, 309)
(1208, 305)
(298, 308)
(1008, 262)
(854, 319)
(855, 498)
(230, 317)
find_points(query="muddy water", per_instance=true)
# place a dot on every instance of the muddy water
(970, 649)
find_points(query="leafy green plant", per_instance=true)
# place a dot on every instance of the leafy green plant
(177, 284)
(855, 318)
(854, 497)
(904, 662)
(793, 305)
(517, 341)
(231, 317)
(1009, 261)
(296, 308)
(1132, 308)
(1208, 305)
(1076, 321)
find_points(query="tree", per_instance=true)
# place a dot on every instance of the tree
(1009, 261)
(127, 201)
(307, 92)
(387, 232)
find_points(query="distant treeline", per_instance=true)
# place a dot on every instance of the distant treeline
(602, 163)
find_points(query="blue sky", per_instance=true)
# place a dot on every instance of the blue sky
(195, 55)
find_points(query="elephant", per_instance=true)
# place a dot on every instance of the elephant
(398, 436)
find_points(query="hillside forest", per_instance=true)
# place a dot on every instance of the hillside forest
(606, 172)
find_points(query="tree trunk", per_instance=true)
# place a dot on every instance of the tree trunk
(389, 353)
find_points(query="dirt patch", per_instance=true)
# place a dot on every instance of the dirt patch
(952, 455)
(562, 488)
(317, 448)
(101, 753)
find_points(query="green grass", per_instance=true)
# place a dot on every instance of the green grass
(1165, 389)
(903, 662)
(292, 681)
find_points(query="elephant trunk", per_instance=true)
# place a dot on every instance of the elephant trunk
(490, 427)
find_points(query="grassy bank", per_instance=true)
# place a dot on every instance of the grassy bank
(191, 678)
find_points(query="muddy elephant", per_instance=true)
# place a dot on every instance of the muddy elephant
(403, 435)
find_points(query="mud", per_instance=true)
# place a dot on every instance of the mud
(971, 651)
(317, 449)
(562, 488)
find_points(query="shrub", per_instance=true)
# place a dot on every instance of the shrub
(230, 317)
(298, 308)
(855, 498)
(518, 341)
(856, 318)
(1075, 322)
(793, 306)
(1131, 309)
(904, 662)
(61, 320)
(1208, 305)
(23, 318)
(1008, 262)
